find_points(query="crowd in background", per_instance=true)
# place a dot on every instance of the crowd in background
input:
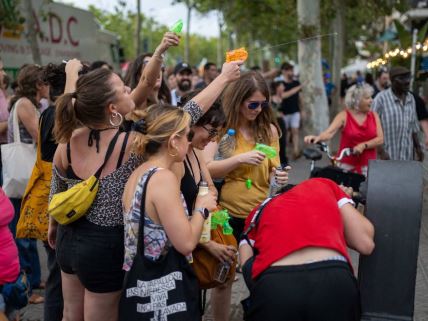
(155, 136)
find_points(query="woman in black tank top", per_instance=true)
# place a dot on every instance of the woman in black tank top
(194, 170)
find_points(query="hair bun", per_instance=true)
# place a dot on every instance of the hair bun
(140, 126)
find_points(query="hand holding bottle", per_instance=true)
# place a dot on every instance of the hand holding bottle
(280, 175)
(208, 201)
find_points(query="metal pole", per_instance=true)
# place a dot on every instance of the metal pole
(413, 61)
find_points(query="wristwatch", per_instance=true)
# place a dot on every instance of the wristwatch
(204, 212)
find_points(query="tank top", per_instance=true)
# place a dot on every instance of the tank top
(23, 132)
(188, 185)
(353, 134)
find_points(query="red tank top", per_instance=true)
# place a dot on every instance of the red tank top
(354, 134)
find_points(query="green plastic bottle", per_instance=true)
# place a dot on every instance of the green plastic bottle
(177, 27)
(269, 151)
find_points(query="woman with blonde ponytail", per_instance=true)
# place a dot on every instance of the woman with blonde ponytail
(90, 250)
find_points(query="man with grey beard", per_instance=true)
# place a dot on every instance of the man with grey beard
(183, 75)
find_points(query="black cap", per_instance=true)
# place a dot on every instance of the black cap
(397, 71)
(180, 67)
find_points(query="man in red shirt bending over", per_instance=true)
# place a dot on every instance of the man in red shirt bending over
(302, 270)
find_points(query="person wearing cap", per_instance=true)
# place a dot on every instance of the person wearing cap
(397, 111)
(330, 88)
(183, 76)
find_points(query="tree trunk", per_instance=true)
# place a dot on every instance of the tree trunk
(220, 54)
(138, 32)
(338, 51)
(32, 32)
(309, 51)
(187, 44)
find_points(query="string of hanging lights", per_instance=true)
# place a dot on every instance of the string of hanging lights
(404, 53)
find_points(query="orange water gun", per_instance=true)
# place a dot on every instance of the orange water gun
(237, 54)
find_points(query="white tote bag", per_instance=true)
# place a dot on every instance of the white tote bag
(18, 160)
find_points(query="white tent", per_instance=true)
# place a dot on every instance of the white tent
(351, 69)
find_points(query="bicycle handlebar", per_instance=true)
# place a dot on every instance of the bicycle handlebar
(344, 152)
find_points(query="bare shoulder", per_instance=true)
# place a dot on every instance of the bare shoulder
(25, 105)
(274, 131)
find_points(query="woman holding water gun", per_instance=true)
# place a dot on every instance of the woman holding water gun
(247, 172)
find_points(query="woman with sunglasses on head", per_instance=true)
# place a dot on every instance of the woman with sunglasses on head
(191, 172)
(247, 173)
(146, 77)
(90, 250)
(361, 130)
(163, 141)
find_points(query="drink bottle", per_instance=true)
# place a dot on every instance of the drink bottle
(206, 229)
(226, 146)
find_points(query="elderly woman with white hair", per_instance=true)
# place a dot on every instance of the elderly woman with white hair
(361, 129)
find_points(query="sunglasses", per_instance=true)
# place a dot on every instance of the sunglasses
(145, 62)
(255, 104)
(212, 132)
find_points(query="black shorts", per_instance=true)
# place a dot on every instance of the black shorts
(321, 291)
(94, 253)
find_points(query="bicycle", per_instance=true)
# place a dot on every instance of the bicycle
(335, 173)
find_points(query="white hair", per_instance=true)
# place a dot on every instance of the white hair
(355, 93)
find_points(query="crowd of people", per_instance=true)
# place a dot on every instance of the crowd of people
(151, 139)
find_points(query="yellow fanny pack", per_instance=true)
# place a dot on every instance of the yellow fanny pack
(70, 205)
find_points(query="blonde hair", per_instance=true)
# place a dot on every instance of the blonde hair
(156, 125)
(355, 93)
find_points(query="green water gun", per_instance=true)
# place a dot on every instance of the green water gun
(269, 151)
(221, 218)
(177, 27)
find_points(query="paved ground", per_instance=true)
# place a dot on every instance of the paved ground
(300, 172)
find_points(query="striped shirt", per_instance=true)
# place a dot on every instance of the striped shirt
(398, 121)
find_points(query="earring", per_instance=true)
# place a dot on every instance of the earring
(114, 116)
(176, 149)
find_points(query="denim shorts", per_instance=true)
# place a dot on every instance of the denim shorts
(94, 253)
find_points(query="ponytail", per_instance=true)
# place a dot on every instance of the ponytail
(65, 118)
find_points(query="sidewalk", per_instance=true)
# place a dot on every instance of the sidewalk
(299, 172)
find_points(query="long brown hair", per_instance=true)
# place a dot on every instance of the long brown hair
(239, 91)
(93, 94)
(28, 78)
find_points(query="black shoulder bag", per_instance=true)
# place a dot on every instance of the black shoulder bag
(166, 289)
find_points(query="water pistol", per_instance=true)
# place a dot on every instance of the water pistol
(221, 218)
(237, 54)
(269, 151)
(177, 27)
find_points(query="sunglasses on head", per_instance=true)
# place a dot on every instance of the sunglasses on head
(212, 132)
(255, 104)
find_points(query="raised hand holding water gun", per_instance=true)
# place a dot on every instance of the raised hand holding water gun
(170, 39)
(177, 27)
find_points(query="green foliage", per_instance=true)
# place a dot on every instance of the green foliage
(124, 24)
(10, 17)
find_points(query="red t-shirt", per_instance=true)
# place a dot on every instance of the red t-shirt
(307, 215)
